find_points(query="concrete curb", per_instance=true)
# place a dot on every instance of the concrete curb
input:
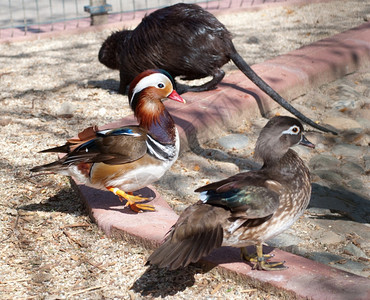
(209, 112)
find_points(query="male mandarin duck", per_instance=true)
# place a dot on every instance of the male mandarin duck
(129, 158)
(247, 208)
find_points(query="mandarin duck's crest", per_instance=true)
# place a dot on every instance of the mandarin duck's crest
(246, 208)
(128, 158)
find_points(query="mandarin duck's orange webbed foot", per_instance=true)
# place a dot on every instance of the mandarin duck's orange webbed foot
(132, 200)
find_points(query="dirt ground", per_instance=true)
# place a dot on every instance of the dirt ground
(50, 90)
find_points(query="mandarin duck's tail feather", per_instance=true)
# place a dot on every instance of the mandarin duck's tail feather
(60, 149)
(83, 137)
(55, 166)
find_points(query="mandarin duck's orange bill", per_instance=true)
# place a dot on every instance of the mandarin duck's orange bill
(128, 158)
(247, 208)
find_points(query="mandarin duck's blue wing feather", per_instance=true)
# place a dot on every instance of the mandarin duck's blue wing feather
(126, 131)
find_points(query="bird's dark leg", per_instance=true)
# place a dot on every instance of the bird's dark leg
(252, 257)
(124, 83)
(260, 260)
(132, 200)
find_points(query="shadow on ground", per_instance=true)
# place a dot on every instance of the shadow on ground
(345, 204)
(157, 282)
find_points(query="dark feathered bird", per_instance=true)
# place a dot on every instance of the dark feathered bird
(187, 41)
(128, 158)
(247, 208)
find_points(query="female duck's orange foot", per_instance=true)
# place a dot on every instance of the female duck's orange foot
(132, 200)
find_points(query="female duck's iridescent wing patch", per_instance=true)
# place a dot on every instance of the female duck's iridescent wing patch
(246, 195)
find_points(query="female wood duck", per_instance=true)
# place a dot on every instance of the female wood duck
(129, 158)
(247, 208)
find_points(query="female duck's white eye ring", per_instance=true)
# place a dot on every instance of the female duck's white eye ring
(294, 130)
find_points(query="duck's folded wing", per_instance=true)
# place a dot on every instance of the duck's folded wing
(117, 146)
(248, 195)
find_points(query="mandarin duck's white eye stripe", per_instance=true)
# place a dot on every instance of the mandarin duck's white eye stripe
(158, 80)
(293, 130)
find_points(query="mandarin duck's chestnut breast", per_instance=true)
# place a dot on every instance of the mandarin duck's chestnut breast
(128, 158)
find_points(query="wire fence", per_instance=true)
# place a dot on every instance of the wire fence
(22, 17)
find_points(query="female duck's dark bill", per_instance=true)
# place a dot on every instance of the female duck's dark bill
(305, 142)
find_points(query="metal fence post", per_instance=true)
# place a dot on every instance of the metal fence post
(98, 10)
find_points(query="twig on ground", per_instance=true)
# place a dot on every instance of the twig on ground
(72, 239)
(75, 225)
(85, 290)
(13, 229)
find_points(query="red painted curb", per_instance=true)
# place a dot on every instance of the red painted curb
(207, 113)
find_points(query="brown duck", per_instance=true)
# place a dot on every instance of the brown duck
(247, 208)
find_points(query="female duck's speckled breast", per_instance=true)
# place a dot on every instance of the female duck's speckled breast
(293, 200)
